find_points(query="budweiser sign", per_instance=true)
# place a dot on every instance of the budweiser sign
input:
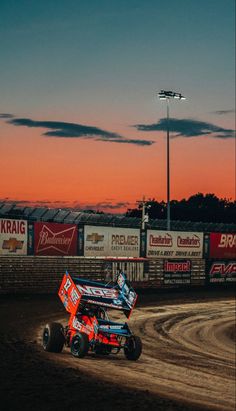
(55, 239)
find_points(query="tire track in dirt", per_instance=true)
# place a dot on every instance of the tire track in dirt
(188, 354)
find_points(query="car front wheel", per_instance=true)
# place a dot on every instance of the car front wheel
(79, 345)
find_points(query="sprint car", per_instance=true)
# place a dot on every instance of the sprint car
(89, 328)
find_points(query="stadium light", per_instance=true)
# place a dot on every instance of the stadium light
(144, 206)
(167, 95)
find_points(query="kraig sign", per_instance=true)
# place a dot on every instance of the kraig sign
(174, 244)
(55, 239)
(13, 237)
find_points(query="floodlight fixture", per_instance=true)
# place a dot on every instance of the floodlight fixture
(164, 95)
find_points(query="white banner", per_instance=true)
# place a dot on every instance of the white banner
(174, 244)
(13, 237)
(111, 241)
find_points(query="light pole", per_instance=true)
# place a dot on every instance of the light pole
(143, 205)
(167, 95)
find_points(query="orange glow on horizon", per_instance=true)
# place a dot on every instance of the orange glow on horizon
(66, 172)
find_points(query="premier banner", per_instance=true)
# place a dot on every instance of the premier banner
(223, 245)
(222, 271)
(13, 237)
(55, 239)
(111, 242)
(174, 244)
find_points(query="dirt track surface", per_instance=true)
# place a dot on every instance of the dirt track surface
(188, 360)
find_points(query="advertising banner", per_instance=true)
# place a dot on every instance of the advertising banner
(13, 237)
(55, 239)
(174, 244)
(30, 239)
(177, 272)
(111, 241)
(222, 271)
(223, 245)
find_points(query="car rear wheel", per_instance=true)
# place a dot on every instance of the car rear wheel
(133, 348)
(53, 337)
(79, 345)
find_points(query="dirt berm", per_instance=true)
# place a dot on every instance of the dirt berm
(188, 360)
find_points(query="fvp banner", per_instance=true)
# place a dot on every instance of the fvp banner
(221, 271)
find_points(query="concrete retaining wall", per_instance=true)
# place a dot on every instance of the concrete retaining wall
(30, 274)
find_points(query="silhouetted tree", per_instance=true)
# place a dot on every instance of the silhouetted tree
(198, 207)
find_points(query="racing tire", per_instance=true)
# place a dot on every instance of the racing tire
(133, 348)
(79, 345)
(53, 337)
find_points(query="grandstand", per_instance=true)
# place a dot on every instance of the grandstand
(68, 216)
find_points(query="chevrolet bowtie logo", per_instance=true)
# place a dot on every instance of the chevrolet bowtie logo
(12, 245)
(95, 238)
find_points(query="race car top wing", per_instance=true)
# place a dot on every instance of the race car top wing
(119, 296)
(127, 294)
(74, 291)
(96, 293)
(69, 294)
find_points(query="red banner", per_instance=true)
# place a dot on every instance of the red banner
(222, 271)
(222, 245)
(55, 239)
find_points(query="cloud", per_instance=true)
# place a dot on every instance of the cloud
(108, 205)
(111, 206)
(34, 203)
(72, 130)
(188, 128)
(223, 112)
(6, 115)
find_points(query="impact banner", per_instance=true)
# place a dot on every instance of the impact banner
(55, 239)
(222, 245)
(13, 237)
(174, 244)
(111, 241)
(177, 271)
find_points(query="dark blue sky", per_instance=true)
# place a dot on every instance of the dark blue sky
(70, 68)
(116, 53)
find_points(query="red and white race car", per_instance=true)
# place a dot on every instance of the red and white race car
(89, 328)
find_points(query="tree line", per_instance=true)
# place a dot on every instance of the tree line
(199, 207)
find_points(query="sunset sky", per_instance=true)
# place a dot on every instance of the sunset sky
(80, 122)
